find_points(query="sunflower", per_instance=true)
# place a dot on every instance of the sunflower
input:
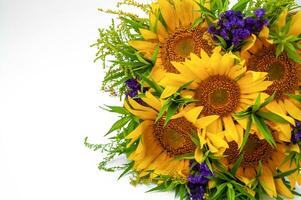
(260, 55)
(160, 144)
(273, 160)
(223, 86)
(172, 34)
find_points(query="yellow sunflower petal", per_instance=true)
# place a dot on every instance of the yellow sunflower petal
(138, 106)
(295, 28)
(193, 114)
(158, 72)
(267, 182)
(152, 101)
(145, 115)
(162, 32)
(282, 19)
(227, 62)
(142, 45)
(169, 14)
(230, 128)
(217, 140)
(292, 109)
(147, 34)
(189, 75)
(135, 134)
(198, 155)
(249, 43)
(264, 33)
(184, 11)
(205, 121)
(168, 91)
(276, 108)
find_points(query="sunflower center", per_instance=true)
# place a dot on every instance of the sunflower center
(281, 70)
(275, 71)
(255, 150)
(218, 94)
(180, 44)
(184, 47)
(174, 138)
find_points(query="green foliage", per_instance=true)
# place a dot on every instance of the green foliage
(272, 7)
(119, 59)
(255, 115)
(175, 101)
(168, 183)
(227, 185)
(118, 144)
(216, 8)
(286, 43)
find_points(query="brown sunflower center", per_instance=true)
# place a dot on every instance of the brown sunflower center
(218, 94)
(255, 150)
(281, 70)
(174, 138)
(180, 44)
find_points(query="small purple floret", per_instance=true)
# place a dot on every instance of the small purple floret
(133, 88)
(296, 133)
(198, 180)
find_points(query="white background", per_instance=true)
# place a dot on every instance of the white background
(49, 98)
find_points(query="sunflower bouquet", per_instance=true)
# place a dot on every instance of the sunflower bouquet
(211, 97)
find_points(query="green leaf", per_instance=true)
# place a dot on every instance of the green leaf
(257, 105)
(130, 166)
(116, 109)
(237, 164)
(230, 192)
(246, 135)
(219, 192)
(240, 5)
(163, 109)
(243, 191)
(268, 100)
(295, 97)
(263, 128)
(155, 54)
(119, 124)
(185, 86)
(222, 41)
(279, 49)
(291, 51)
(172, 109)
(285, 174)
(141, 59)
(197, 22)
(157, 188)
(152, 84)
(272, 117)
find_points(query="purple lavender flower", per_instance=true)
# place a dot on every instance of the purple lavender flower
(133, 88)
(233, 27)
(296, 133)
(133, 84)
(259, 13)
(198, 180)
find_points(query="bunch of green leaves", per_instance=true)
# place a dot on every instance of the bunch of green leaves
(169, 184)
(227, 185)
(272, 7)
(256, 115)
(118, 144)
(285, 42)
(173, 103)
(119, 59)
